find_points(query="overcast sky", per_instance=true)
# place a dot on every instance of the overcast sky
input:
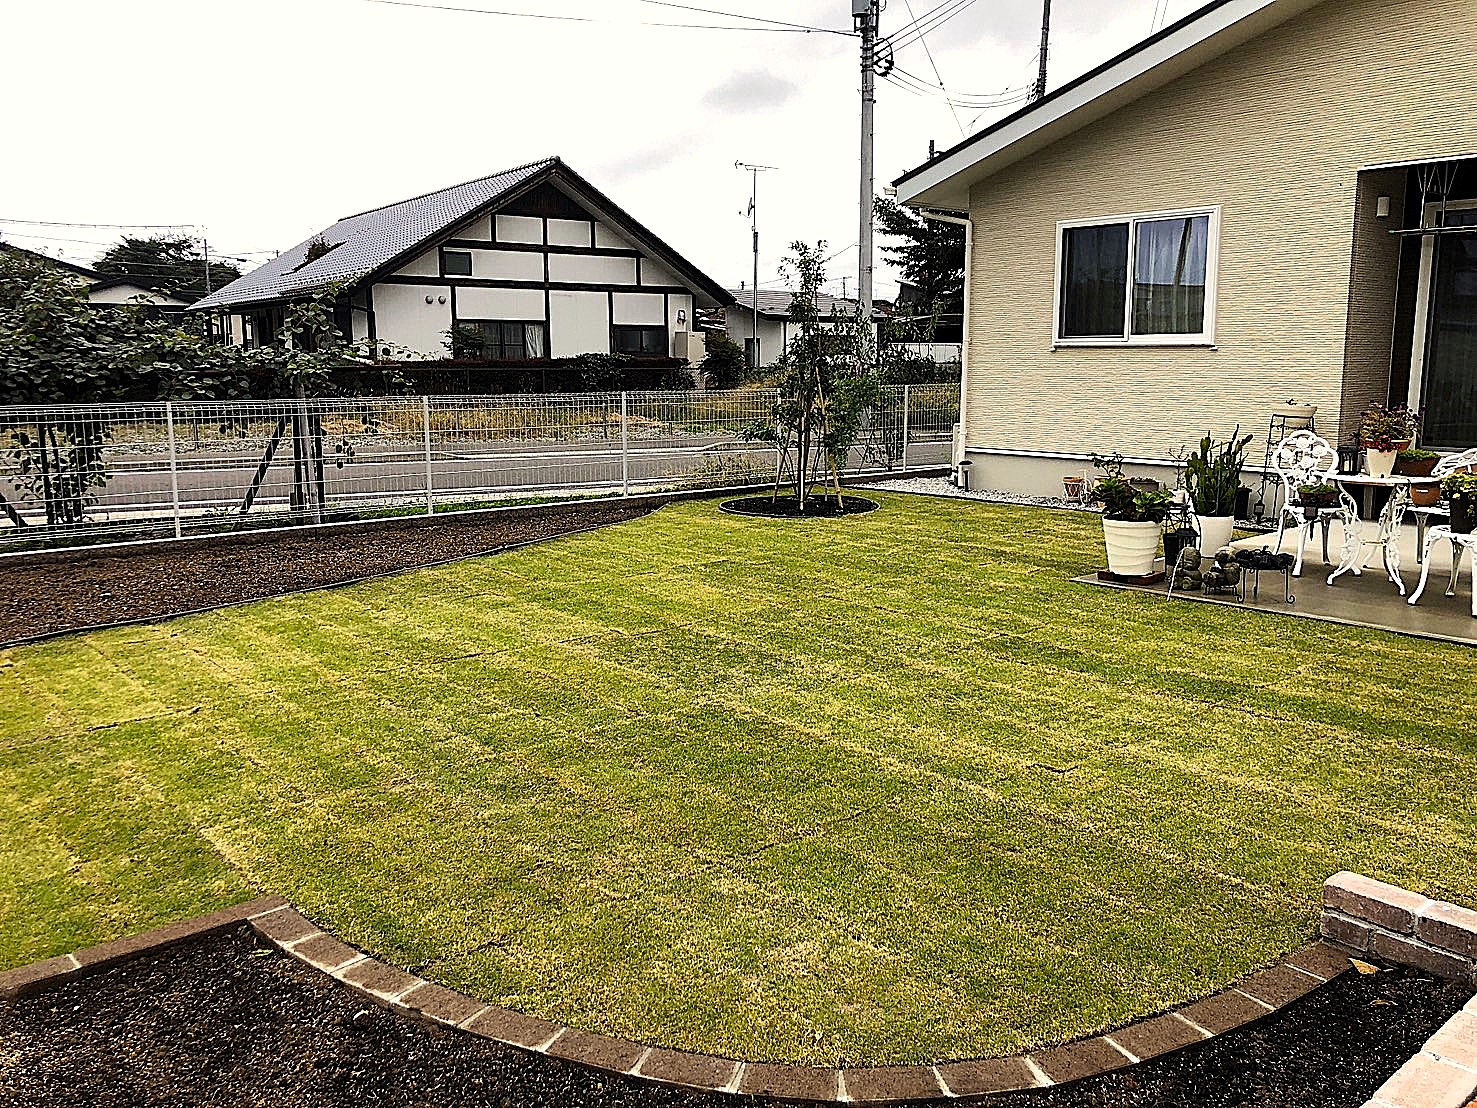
(261, 121)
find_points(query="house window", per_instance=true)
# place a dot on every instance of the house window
(640, 340)
(1146, 279)
(507, 340)
(456, 263)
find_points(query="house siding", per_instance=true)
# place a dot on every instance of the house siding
(1274, 134)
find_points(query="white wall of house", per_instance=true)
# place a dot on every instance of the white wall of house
(586, 293)
(128, 294)
(404, 319)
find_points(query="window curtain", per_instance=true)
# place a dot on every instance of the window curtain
(1169, 272)
(533, 340)
(1094, 281)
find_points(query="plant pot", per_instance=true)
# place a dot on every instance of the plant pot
(1423, 468)
(1425, 496)
(1132, 547)
(1296, 416)
(1380, 463)
(1463, 515)
(1215, 532)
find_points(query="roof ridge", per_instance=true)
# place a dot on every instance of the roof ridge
(459, 184)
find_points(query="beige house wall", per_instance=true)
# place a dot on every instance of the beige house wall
(1274, 133)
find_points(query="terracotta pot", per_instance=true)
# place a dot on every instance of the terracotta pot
(1073, 485)
(1425, 496)
(1423, 468)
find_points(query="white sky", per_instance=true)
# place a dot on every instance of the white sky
(262, 121)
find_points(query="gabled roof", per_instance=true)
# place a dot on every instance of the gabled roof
(1203, 35)
(126, 280)
(775, 303)
(377, 242)
(47, 259)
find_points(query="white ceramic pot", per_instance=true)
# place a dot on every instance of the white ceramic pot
(1132, 547)
(1380, 463)
(1215, 532)
(1296, 416)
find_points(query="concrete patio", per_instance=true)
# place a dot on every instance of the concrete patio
(1370, 600)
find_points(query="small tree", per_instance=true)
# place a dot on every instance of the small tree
(173, 263)
(826, 380)
(724, 365)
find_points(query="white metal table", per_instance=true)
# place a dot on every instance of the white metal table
(1460, 544)
(1357, 549)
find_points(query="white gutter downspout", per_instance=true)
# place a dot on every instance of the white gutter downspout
(960, 219)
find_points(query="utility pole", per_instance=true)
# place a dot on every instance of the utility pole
(754, 171)
(865, 15)
(1040, 90)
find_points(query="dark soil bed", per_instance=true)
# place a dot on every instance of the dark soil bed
(54, 593)
(226, 1022)
(788, 507)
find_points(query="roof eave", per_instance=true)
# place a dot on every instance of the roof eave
(1179, 49)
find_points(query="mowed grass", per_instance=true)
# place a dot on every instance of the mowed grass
(877, 790)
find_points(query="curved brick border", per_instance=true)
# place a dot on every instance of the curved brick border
(280, 924)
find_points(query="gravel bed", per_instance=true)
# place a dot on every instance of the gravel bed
(226, 1021)
(941, 486)
(49, 594)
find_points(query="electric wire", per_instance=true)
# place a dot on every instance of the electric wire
(796, 30)
(914, 32)
(929, 52)
(752, 18)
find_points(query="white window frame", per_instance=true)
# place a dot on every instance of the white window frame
(1212, 272)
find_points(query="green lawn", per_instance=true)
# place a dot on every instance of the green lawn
(878, 790)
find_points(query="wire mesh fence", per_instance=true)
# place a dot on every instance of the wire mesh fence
(86, 474)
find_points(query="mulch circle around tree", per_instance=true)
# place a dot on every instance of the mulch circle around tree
(788, 507)
(227, 1021)
(54, 593)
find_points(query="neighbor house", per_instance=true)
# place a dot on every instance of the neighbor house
(529, 265)
(771, 326)
(1269, 200)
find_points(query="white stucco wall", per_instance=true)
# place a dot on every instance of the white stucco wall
(422, 265)
(403, 317)
(653, 273)
(126, 294)
(611, 240)
(587, 269)
(474, 303)
(508, 265)
(579, 323)
(638, 308)
(683, 304)
(520, 228)
(570, 232)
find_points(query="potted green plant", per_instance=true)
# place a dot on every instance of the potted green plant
(1213, 479)
(1384, 432)
(1420, 463)
(1315, 498)
(1132, 520)
(1460, 490)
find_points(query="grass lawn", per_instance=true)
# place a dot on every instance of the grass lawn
(884, 789)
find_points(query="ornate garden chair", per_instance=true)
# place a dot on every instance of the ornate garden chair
(1305, 459)
(1448, 465)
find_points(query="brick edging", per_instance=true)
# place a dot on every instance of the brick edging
(275, 920)
(1396, 925)
(1443, 1074)
(1250, 999)
(38, 976)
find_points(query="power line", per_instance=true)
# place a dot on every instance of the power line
(753, 18)
(915, 31)
(958, 122)
(798, 29)
(101, 226)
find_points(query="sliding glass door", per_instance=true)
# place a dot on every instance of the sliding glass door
(1449, 371)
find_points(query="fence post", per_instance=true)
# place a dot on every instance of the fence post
(907, 410)
(173, 469)
(426, 427)
(625, 451)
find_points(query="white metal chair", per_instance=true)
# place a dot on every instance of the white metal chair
(1448, 465)
(1305, 459)
(1460, 544)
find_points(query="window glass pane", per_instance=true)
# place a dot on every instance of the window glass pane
(1169, 267)
(458, 263)
(1094, 281)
